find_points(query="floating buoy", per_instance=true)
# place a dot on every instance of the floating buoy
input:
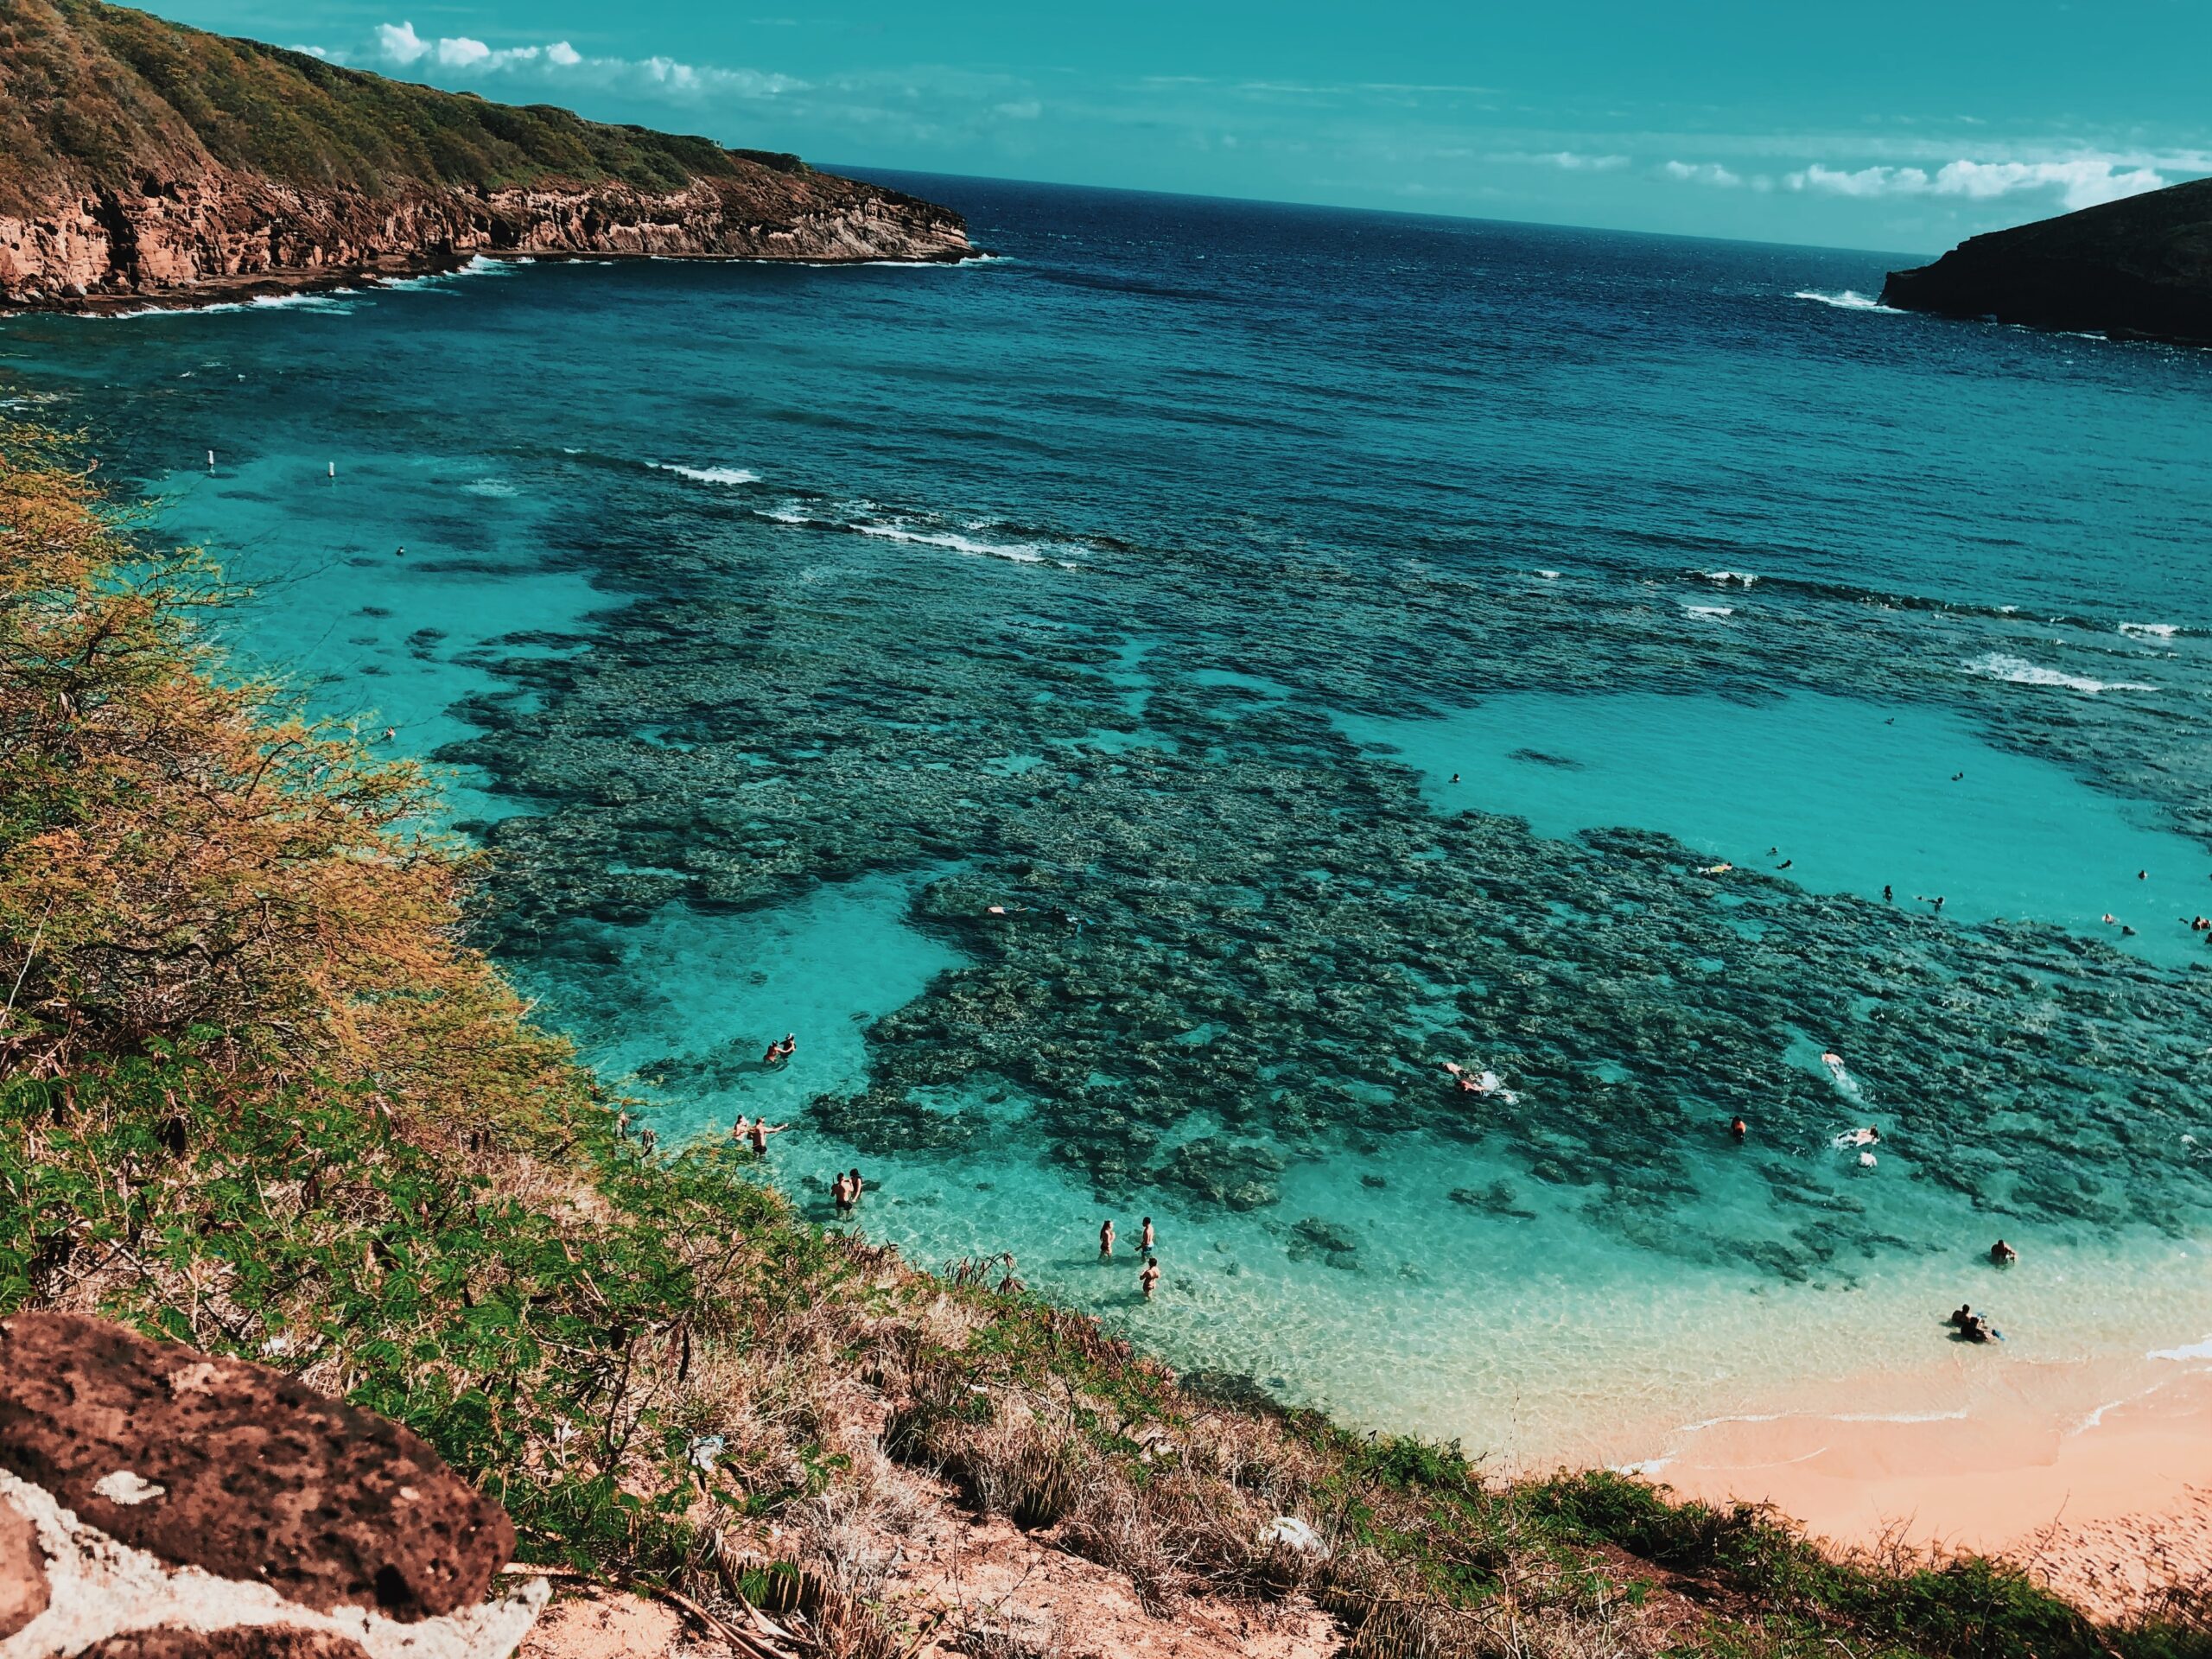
(333, 469)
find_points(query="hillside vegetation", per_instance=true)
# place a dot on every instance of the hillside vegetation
(96, 97)
(257, 1091)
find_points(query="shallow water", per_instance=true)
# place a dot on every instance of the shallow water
(1149, 584)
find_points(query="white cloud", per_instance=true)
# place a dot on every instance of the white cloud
(559, 64)
(1567, 160)
(401, 43)
(1703, 173)
(2082, 182)
(458, 52)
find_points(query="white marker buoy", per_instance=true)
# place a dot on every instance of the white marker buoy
(333, 469)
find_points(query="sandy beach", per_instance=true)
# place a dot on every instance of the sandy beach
(2097, 1475)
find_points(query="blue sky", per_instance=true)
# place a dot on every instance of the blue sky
(1879, 125)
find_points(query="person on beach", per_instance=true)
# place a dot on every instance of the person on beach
(762, 1128)
(1150, 1277)
(1737, 1129)
(2003, 1255)
(621, 1126)
(1106, 1241)
(1144, 1240)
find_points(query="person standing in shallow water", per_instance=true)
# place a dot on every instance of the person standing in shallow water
(1106, 1241)
(1150, 1277)
(1144, 1239)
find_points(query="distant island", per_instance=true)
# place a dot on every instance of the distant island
(144, 163)
(2141, 268)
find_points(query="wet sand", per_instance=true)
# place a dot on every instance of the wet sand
(2098, 1475)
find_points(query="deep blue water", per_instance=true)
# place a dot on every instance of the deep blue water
(1149, 582)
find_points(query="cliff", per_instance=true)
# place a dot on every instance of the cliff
(2140, 267)
(140, 159)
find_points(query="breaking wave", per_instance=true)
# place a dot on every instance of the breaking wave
(2019, 671)
(1849, 300)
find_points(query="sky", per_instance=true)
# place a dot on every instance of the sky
(1885, 125)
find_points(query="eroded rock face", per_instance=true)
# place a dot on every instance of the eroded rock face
(241, 1470)
(156, 1503)
(221, 235)
(23, 1591)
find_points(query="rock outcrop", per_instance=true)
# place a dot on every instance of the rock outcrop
(158, 1503)
(2141, 268)
(142, 161)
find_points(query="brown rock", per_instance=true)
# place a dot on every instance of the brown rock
(239, 1641)
(240, 1471)
(23, 1594)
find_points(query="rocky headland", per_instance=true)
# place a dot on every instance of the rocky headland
(2141, 268)
(141, 164)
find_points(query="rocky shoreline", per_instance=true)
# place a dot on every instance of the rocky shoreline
(2139, 269)
(198, 245)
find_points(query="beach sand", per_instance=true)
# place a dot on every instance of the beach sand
(2097, 1475)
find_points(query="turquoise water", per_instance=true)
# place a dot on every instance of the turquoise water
(1835, 794)
(1037, 684)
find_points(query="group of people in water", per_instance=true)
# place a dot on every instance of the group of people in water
(1148, 1279)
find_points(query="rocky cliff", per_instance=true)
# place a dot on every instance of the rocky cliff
(141, 161)
(2140, 267)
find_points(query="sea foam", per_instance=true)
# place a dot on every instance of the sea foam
(1849, 300)
(706, 474)
(2019, 671)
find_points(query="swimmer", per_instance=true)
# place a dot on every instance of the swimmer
(399, 553)
(1715, 869)
(1150, 1276)
(2127, 932)
(1738, 1128)
(2003, 1255)
(1106, 1242)
(994, 910)
(2142, 875)
(1832, 1060)
(1785, 864)
(1867, 1161)
(1888, 898)
(1144, 1239)
(1959, 1316)
(390, 732)
(1956, 776)
(1455, 777)
(1939, 901)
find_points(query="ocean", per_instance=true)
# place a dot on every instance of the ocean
(1137, 706)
